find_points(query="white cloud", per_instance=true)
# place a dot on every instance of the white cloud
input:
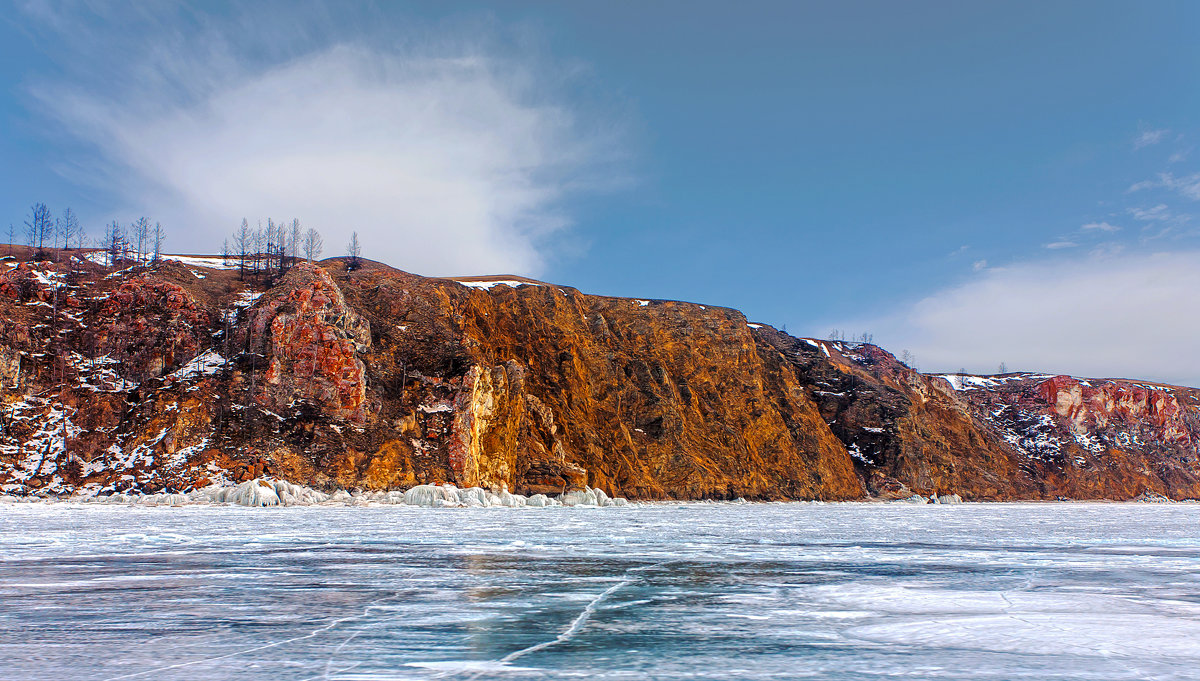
(1127, 315)
(1100, 226)
(1107, 249)
(1187, 186)
(1148, 138)
(1154, 213)
(446, 160)
(979, 265)
(1058, 245)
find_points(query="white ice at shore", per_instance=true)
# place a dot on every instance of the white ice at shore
(272, 492)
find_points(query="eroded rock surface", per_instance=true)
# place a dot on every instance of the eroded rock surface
(174, 377)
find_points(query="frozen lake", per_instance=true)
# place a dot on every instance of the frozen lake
(770, 591)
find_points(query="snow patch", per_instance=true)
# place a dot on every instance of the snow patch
(205, 364)
(212, 262)
(487, 284)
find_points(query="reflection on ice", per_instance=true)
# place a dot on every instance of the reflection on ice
(698, 591)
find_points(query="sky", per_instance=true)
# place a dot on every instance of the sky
(975, 183)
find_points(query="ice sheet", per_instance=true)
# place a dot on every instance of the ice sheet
(695, 591)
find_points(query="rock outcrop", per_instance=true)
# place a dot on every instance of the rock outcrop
(309, 341)
(1018, 436)
(170, 378)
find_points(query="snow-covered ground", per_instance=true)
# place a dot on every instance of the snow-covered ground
(487, 284)
(691, 591)
(215, 262)
(206, 363)
(972, 382)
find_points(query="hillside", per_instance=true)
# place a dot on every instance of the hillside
(164, 379)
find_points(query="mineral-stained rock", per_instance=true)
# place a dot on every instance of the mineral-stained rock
(309, 340)
(148, 324)
(1013, 437)
(167, 378)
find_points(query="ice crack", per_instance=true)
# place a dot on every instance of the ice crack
(581, 620)
(373, 605)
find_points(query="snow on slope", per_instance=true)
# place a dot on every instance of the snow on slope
(214, 262)
(485, 284)
(975, 382)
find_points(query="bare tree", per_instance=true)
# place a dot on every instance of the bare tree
(141, 236)
(225, 252)
(258, 242)
(269, 243)
(1003, 368)
(114, 243)
(69, 226)
(157, 240)
(105, 240)
(279, 252)
(354, 253)
(39, 226)
(12, 236)
(313, 244)
(295, 239)
(241, 244)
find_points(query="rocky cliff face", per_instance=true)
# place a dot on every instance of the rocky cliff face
(1018, 436)
(173, 377)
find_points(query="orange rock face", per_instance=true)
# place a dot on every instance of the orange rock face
(554, 389)
(164, 379)
(309, 339)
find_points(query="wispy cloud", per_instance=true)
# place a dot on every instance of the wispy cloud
(448, 155)
(1058, 245)
(1157, 213)
(1187, 186)
(1099, 227)
(979, 265)
(1147, 138)
(1107, 249)
(1097, 315)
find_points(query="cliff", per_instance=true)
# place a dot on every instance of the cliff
(171, 377)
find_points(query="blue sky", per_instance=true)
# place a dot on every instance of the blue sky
(975, 183)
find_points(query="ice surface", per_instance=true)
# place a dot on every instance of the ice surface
(680, 591)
